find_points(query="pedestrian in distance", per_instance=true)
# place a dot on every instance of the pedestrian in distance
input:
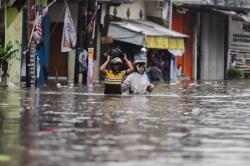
(138, 82)
(179, 70)
(232, 64)
(113, 71)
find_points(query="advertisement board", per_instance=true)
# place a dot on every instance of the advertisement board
(239, 34)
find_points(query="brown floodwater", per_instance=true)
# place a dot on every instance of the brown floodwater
(185, 124)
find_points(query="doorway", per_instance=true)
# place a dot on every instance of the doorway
(212, 47)
(58, 61)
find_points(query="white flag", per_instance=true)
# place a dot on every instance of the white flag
(69, 36)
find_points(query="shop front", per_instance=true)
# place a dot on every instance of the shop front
(163, 45)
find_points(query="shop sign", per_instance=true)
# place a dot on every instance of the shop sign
(239, 34)
(164, 42)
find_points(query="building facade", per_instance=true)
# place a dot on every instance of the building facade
(145, 24)
(204, 51)
(208, 24)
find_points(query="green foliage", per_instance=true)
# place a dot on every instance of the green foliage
(235, 74)
(4, 158)
(7, 52)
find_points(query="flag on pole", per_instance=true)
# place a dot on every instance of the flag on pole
(45, 11)
(69, 36)
(92, 21)
(38, 33)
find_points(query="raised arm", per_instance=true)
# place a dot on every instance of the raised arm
(104, 65)
(129, 64)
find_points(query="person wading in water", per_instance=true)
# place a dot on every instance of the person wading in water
(112, 70)
(138, 82)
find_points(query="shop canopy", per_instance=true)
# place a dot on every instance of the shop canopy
(240, 15)
(116, 1)
(147, 34)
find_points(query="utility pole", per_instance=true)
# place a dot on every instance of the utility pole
(170, 16)
(80, 30)
(85, 34)
(30, 55)
(90, 38)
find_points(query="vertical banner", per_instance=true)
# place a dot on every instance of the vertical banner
(90, 67)
(83, 55)
(69, 35)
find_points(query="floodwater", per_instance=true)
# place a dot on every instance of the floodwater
(187, 124)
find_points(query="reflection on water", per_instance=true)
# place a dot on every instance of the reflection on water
(184, 124)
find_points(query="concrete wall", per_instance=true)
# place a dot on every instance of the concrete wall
(57, 8)
(148, 7)
(159, 11)
(212, 46)
(13, 33)
(134, 10)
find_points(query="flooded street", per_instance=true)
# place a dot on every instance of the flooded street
(187, 124)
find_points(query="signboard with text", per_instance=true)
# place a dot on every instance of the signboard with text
(161, 42)
(239, 34)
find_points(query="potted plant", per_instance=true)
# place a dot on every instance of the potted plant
(235, 73)
(6, 53)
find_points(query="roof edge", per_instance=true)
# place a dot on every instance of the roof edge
(210, 6)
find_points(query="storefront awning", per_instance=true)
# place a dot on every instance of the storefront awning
(116, 1)
(146, 33)
(245, 17)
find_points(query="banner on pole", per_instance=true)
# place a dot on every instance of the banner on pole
(83, 56)
(69, 36)
(90, 67)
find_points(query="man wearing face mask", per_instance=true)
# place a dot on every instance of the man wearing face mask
(114, 75)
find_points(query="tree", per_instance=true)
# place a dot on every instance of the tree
(6, 53)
